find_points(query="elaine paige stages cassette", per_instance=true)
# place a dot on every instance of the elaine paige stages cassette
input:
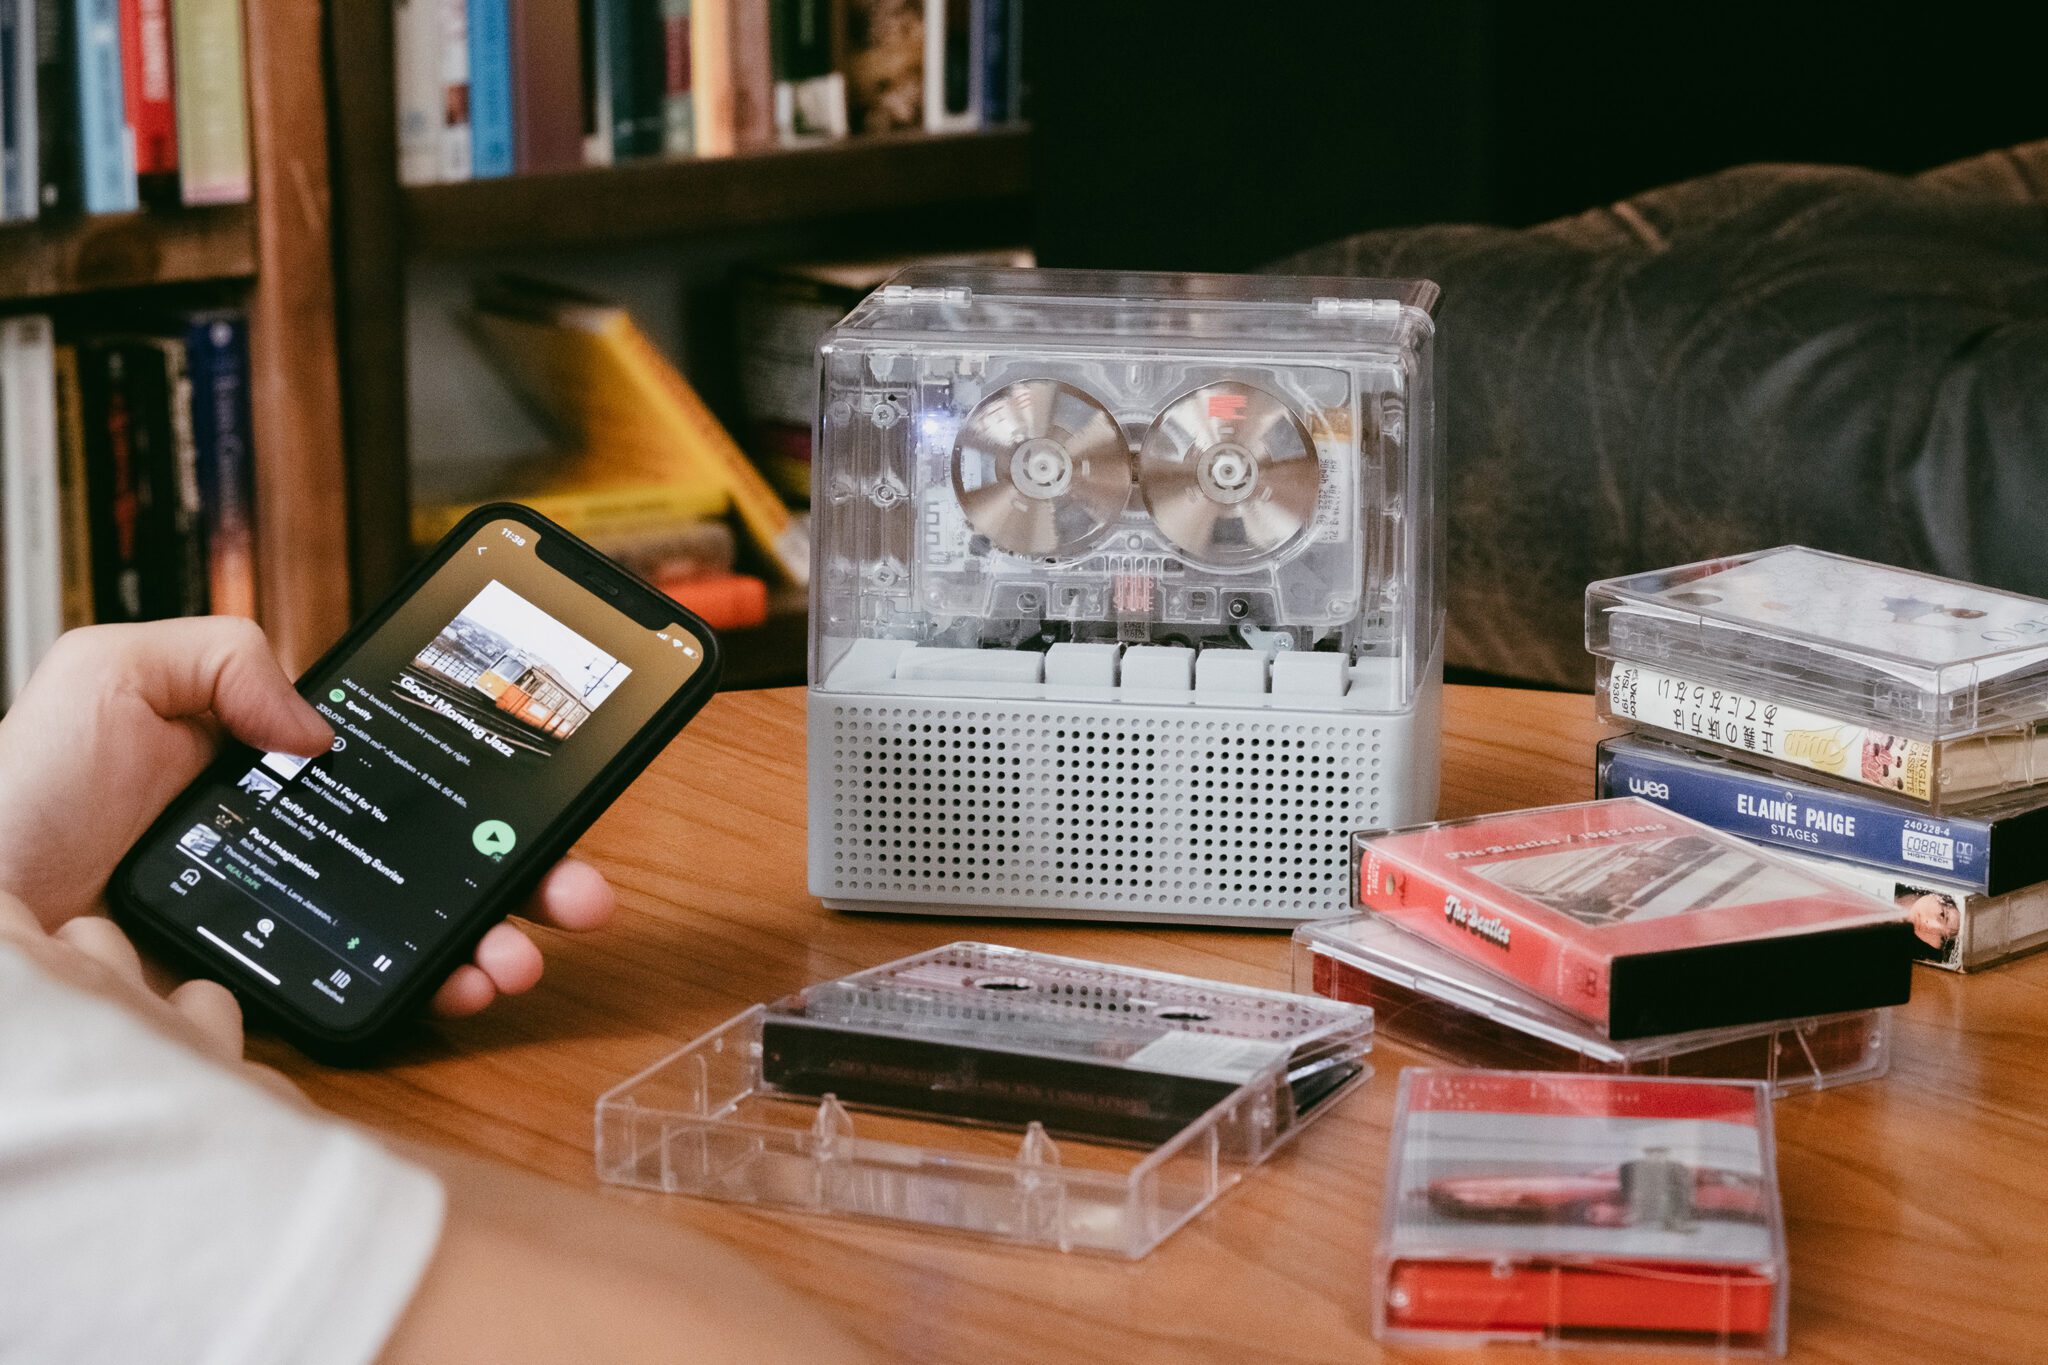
(1108, 565)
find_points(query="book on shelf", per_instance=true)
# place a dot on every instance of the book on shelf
(147, 88)
(32, 526)
(59, 170)
(489, 28)
(884, 65)
(593, 63)
(545, 85)
(1002, 65)
(953, 70)
(119, 496)
(722, 601)
(217, 361)
(106, 138)
(179, 457)
(670, 549)
(125, 477)
(147, 415)
(591, 375)
(547, 79)
(18, 189)
(416, 32)
(607, 492)
(211, 94)
(678, 104)
(456, 137)
(656, 518)
(109, 104)
(810, 89)
(731, 83)
(74, 517)
(636, 64)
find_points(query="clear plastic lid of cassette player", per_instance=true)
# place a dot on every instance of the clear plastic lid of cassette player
(1047, 468)
(1431, 999)
(1900, 651)
(1015, 1095)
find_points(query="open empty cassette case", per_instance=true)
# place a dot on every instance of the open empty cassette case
(1012, 1095)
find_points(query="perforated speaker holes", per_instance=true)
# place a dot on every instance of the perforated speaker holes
(1114, 808)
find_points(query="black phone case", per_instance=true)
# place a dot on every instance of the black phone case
(358, 1044)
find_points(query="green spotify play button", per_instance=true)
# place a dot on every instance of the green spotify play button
(493, 838)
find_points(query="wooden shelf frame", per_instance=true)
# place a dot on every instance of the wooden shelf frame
(50, 260)
(643, 201)
(302, 564)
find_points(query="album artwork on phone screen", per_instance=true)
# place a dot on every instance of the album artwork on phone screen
(509, 676)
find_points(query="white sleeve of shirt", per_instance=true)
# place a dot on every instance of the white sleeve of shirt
(156, 1207)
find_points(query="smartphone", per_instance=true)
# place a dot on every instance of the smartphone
(483, 716)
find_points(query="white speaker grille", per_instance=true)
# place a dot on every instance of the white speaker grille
(1190, 811)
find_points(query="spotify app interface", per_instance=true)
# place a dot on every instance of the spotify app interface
(462, 729)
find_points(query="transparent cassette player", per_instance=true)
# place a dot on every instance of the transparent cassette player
(1434, 1000)
(1012, 1095)
(1109, 565)
(1817, 664)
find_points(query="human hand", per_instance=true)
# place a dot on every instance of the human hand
(91, 954)
(119, 719)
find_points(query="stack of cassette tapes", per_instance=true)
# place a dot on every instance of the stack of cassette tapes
(1887, 729)
(1614, 937)
(1012, 1095)
(1529, 1206)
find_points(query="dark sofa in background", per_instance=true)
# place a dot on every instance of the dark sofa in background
(1793, 350)
(1766, 355)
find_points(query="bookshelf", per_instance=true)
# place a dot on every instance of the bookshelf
(863, 194)
(302, 546)
(272, 258)
(44, 262)
(659, 199)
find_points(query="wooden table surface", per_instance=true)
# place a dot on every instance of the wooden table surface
(1917, 1205)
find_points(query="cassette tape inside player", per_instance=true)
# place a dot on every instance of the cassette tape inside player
(1125, 592)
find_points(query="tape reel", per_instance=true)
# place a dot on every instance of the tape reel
(1041, 469)
(1229, 475)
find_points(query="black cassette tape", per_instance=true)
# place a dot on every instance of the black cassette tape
(1003, 1036)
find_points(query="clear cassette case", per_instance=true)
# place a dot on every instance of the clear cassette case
(1957, 929)
(1435, 1001)
(1564, 1210)
(1814, 663)
(1013, 461)
(1636, 920)
(1012, 1095)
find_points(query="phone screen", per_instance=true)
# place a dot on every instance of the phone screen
(465, 725)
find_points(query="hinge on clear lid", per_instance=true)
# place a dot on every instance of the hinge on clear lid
(1372, 310)
(926, 293)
